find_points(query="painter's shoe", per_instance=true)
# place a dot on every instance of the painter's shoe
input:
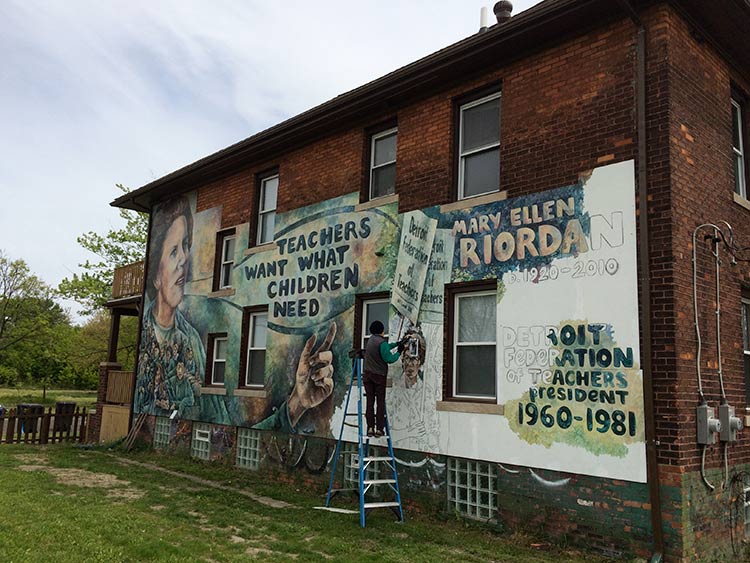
(379, 433)
(371, 432)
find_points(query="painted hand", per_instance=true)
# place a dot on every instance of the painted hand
(314, 378)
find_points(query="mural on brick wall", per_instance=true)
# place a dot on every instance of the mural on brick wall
(553, 341)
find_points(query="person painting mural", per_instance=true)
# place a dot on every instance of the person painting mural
(378, 354)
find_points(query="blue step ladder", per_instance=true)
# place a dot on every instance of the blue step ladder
(365, 461)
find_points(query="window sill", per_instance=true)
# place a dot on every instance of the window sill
(474, 201)
(260, 248)
(741, 201)
(226, 292)
(248, 392)
(465, 406)
(377, 202)
(213, 391)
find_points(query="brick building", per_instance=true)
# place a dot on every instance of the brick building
(527, 199)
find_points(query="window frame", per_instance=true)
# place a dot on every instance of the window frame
(453, 292)
(261, 181)
(486, 95)
(211, 358)
(248, 314)
(222, 236)
(381, 134)
(745, 330)
(740, 153)
(360, 330)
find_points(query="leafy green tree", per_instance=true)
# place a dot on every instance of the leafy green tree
(33, 328)
(118, 247)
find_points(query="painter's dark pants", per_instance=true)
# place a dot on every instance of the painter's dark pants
(375, 389)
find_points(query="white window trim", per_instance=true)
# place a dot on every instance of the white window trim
(214, 360)
(365, 332)
(226, 283)
(251, 348)
(463, 155)
(262, 211)
(739, 152)
(457, 297)
(373, 167)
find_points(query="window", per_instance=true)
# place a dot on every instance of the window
(224, 259)
(479, 147)
(255, 326)
(383, 163)
(746, 337)
(217, 353)
(269, 189)
(161, 432)
(472, 488)
(738, 148)
(374, 309)
(200, 446)
(351, 466)
(473, 334)
(248, 448)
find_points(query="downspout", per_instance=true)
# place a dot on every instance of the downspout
(140, 321)
(652, 467)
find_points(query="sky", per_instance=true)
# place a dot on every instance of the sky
(99, 92)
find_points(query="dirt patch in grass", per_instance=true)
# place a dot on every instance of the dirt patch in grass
(117, 488)
(31, 458)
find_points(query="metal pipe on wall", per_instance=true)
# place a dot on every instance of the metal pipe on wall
(652, 467)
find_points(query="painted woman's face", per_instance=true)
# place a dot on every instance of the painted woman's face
(170, 278)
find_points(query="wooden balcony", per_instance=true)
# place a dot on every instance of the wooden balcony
(128, 281)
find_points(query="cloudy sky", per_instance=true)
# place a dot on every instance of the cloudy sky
(99, 92)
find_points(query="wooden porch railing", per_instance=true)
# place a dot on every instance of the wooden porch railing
(128, 280)
(120, 387)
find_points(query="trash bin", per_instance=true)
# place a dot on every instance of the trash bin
(64, 416)
(28, 416)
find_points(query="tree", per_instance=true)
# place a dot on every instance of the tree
(33, 328)
(119, 247)
(26, 305)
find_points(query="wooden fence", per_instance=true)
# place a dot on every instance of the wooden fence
(120, 387)
(43, 427)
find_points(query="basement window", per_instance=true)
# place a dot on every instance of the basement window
(472, 489)
(351, 466)
(161, 432)
(200, 447)
(248, 448)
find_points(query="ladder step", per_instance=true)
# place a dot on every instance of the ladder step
(378, 481)
(381, 504)
(380, 458)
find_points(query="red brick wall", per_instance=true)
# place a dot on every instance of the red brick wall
(702, 183)
(566, 110)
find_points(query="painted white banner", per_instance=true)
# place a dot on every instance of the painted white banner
(417, 235)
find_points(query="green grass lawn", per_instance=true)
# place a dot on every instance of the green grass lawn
(67, 504)
(10, 397)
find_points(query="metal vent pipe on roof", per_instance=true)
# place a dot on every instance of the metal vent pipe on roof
(483, 19)
(502, 10)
